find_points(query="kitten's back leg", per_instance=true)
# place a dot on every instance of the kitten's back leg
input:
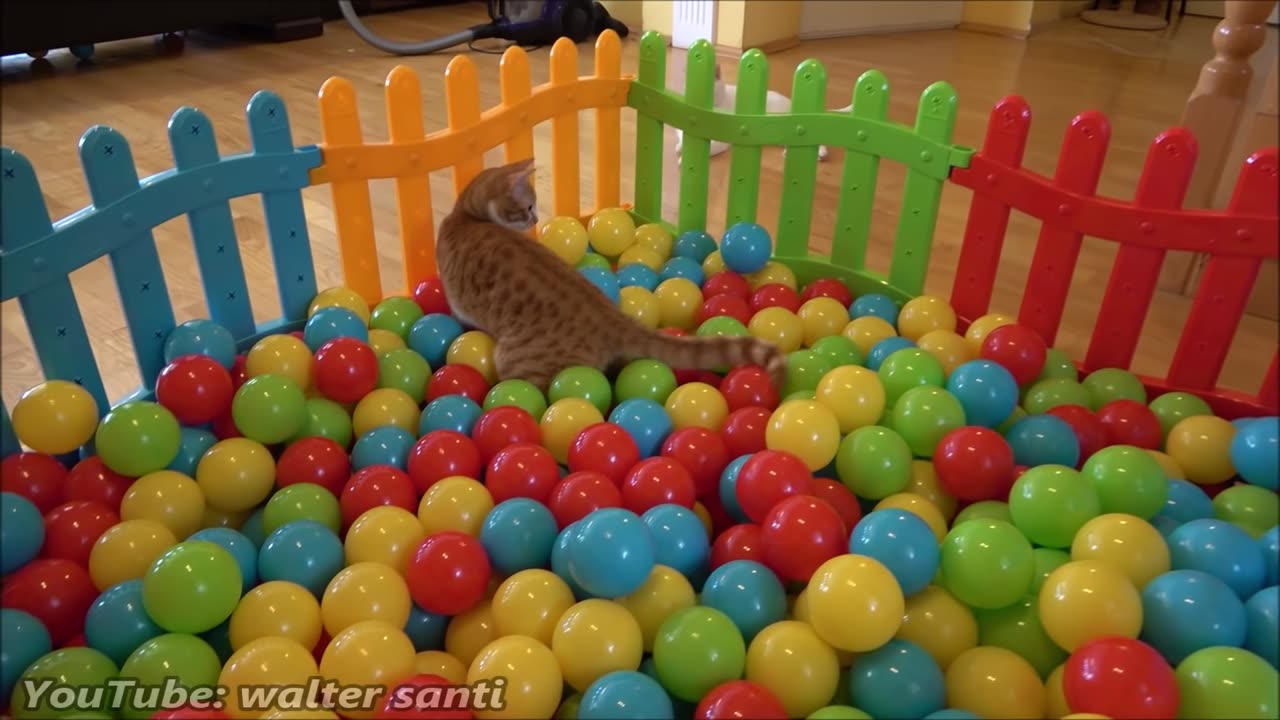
(537, 363)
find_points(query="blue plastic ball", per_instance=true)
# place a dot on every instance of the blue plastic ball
(518, 534)
(695, 245)
(903, 543)
(886, 347)
(1270, 544)
(23, 640)
(560, 559)
(21, 532)
(1262, 616)
(1187, 610)
(240, 547)
(749, 593)
(1043, 440)
(254, 526)
(612, 553)
(679, 538)
(638, 275)
(1186, 502)
(117, 624)
(1255, 452)
(431, 336)
(383, 445)
(195, 443)
(1221, 549)
(875, 305)
(606, 281)
(303, 552)
(458, 413)
(729, 489)
(331, 323)
(625, 695)
(1165, 524)
(425, 630)
(897, 680)
(219, 638)
(745, 247)
(645, 421)
(952, 714)
(201, 337)
(986, 390)
(683, 267)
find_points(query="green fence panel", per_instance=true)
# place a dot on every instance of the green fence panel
(861, 171)
(744, 160)
(653, 74)
(695, 152)
(800, 168)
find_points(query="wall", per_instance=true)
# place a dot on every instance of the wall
(767, 22)
(1009, 16)
(630, 12)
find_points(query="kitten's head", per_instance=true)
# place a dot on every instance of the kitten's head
(504, 195)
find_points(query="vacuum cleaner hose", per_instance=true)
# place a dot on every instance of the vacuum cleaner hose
(401, 48)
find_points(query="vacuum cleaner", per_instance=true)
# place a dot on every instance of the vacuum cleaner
(524, 22)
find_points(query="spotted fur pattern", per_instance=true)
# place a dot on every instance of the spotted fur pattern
(542, 313)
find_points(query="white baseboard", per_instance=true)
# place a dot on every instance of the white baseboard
(882, 30)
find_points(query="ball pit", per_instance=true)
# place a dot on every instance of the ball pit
(927, 521)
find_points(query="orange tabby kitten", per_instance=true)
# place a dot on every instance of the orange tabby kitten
(543, 315)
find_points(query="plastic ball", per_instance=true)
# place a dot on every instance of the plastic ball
(236, 474)
(1120, 678)
(1201, 445)
(468, 633)
(1263, 614)
(533, 678)
(679, 539)
(276, 609)
(924, 415)
(56, 417)
(457, 504)
(773, 273)
(805, 369)
(622, 694)
(137, 438)
(748, 593)
(882, 349)
(1018, 628)
(744, 430)
(645, 420)
(697, 649)
(874, 462)
(440, 664)
(1128, 422)
(1047, 394)
(395, 314)
(71, 668)
(1227, 682)
(767, 478)
(1084, 600)
(695, 245)
(987, 563)
(656, 237)
(23, 641)
(327, 419)
(315, 460)
(906, 369)
(979, 329)
(807, 429)
(566, 237)
(1089, 430)
(405, 370)
(795, 664)
(611, 231)
(305, 553)
(1253, 452)
(333, 322)
(531, 603)
(45, 481)
(126, 551)
(638, 274)
(474, 349)
(1018, 348)
(681, 267)
(22, 532)
(385, 407)
(1270, 544)
(594, 638)
(1125, 542)
(269, 408)
(855, 603)
(679, 300)
(448, 573)
(799, 534)
(740, 699)
(192, 587)
(611, 554)
(924, 483)
(822, 317)
(366, 591)
(903, 543)
(1222, 550)
(746, 247)
(1107, 384)
(938, 623)
(1128, 480)
(1249, 507)
(518, 534)
(898, 679)
(995, 683)
(925, 314)
(779, 326)
(975, 464)
(386, 535)
(1043, 440)
(167, 497)
(1051, 503)
(774, 295)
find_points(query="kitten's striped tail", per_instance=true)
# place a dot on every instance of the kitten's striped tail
(709, 353)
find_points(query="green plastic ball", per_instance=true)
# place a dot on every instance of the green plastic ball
(192, 587)
(1171, 408)
(648, 379)
(840, 350)
(1050, 503)
(1058, 364)
(326, 419)
(695, 650)
(592, 259)
(874, 462)
(73, 666)
(302, 501)
(987, 564)
(805, 369)
(1110, 384)
(137, 438)
(909, 368)
(1047, 560)
(1254, 509)
(190, 661)
(395, 314)
(838, 712)
(585, 383)
(1017, 414)
(722, 326)
(801, 395)
(1046, 395)
(1226, 683)
(520, 393)
(1017, 628)
(404, 369)
(923, 415)
(1128, 480)
(269, 409)
(568, 709)
(984, 510)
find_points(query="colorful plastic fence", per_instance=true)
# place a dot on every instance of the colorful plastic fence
(37, 255)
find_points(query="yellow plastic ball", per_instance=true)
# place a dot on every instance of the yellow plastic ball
(562, 422)
(665, 592)
(282, 355)
(924, 314)
(868, 330)
(679, 299)
(468, 633)
(940, 624)
(364, 591)
(656, 238)
(236, 474)
(822, 317)
(1055, 697)
(127, 550)
(641, 255)
(854, 394)
(168, 497)
(276, 609)
(315, 713)
(773, 273)
(805, 428)
(441, 664)
(55, 417)
(855, 603)
(385, 406)
(596, 637)
(1201, 446)
(265, 662)
(779, 326)
(218, 518)
(799, 607)
(1086, 716)
(713, 263)
(1126, 542)
(948, 348)
(566, 237)
(382, 341)
(1084, 600)
(704, 515)
(474, 348)
(457, 504)
(531, 603)
(1172, 469)
(341, 297)
(385, 534)
(372, 653)
(697, 404)
(796, 665)
(533, 681)
(640, 305)
(611, 231)
(919, 506)
(980, 328)
(924, 482)
(996, 684)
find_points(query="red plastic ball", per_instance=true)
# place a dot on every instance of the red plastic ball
(57, 592)
(706, 377)
(502, 426)
(458, 379)
(1089, 430)
(71, 529)
(1129, 422)
(827, 287)
(412, 699)
(739, 542)
(703, 453)
(740, 700)
(429, 295)
(769, 477)
(187, 712)
(93, 481)
(321, 645)
(448, 573)
(974, 464)
(744, 429)
(725, 305)
(604, 448)
(195, 388)
(1120, 678)
(75, 641)
(316, 460)
(224, 427)
(775, 295)
(799, 534)
(1018, 348)
(440, 454)
(239, 371)
(375, 486)
(522, 470)
(35, 476)
(841, 499)
(345, 370)
(749, 386)
(657, 481)
(581, 493)
(727, 282)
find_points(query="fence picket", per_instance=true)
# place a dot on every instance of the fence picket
(566, 187)
(352, 208)
(1269, 393)
(744, 160)
(695, 149)
(462, 109)
(922, 192)
(608, 126)
(403, 91)
(861, 173)
(800, 168)
(652, 73)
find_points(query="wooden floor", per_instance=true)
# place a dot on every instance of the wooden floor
(1139, 80)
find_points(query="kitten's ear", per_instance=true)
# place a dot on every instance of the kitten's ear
(520, 166)
(522, 174)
